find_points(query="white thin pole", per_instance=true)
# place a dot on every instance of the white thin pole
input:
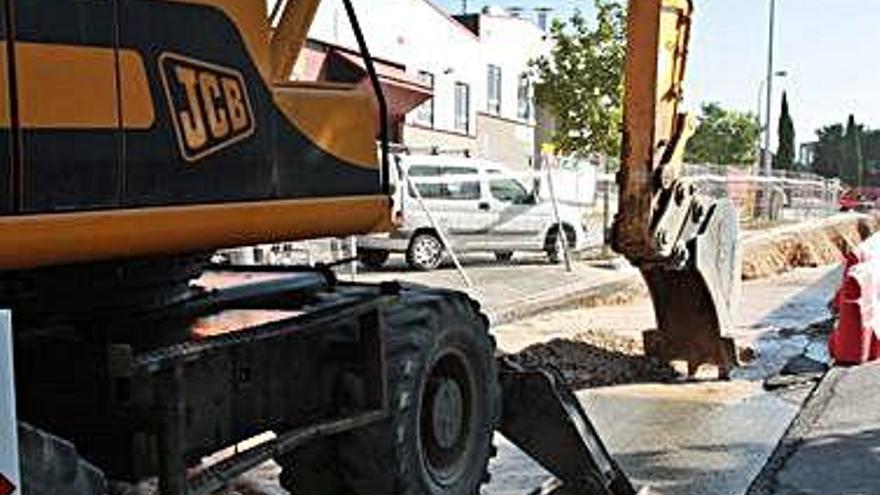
(560, 231)
(768, 162)
(436, 226)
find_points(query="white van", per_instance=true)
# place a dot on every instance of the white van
(478, 204)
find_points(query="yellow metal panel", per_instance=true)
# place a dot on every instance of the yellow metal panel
(339, 121)
(74, 87)
(4, 88)
(290, 36)
(658, 32)
(138, 111)
(39, 240)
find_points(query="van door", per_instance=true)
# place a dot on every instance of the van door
(456, 198)
(520, 220)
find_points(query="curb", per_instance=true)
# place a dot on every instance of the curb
(618, 290)
(814, 405)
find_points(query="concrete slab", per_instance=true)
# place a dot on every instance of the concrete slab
(710, 438)
(834, 446)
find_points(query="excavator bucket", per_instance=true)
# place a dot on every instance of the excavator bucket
(544, 419)
(695, 300)
(684, 243)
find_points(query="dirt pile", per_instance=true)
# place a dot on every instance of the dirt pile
(598, 359)
(818, 243)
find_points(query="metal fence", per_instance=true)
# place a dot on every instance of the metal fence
(783, 197)
(590, 183)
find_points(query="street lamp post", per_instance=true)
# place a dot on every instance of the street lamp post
(764, 125)
(768, 162)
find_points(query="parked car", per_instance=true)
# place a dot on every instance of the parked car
(859, 199)
(479, 206)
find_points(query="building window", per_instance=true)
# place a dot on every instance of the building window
(493, 85)
(524, 97)
(462, 107)
(425, 111)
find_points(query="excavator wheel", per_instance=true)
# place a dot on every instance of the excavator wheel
(444, 402)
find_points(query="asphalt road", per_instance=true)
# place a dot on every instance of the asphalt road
(689, 438)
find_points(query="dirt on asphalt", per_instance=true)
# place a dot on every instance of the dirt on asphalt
(599, 358)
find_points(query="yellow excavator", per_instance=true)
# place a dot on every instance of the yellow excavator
(139, 136)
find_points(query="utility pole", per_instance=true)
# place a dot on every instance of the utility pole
(768, 162)
(464, 9)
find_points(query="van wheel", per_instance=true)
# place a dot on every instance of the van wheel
(373, 258)
(503, 256)
(425, 252)
(553, 246)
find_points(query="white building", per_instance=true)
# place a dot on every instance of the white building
(473, 67)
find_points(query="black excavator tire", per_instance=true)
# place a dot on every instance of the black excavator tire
(51, 465)
(422, 328)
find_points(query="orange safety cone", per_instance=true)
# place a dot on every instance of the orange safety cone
(854, 340)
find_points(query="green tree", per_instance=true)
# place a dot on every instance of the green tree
(854, 163)
(724, 137)
(784, 158)
(580, 83)
(829, 154)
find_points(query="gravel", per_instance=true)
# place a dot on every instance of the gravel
(599, 358)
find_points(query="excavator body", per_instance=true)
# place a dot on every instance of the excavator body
(144, 128)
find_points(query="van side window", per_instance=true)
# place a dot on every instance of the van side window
(458, 190)
(508, 191)
(436, 170)
(425, 171)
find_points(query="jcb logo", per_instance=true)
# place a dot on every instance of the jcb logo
(209, 105)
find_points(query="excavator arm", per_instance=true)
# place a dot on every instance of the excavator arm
(684, 243)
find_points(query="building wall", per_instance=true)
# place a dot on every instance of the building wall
(421, 36)
(507, 141)
(418, 35)
(419, 137)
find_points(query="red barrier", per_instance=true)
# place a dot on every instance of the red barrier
(855, 339)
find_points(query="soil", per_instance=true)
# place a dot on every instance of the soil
(811, 244)
(599, 358)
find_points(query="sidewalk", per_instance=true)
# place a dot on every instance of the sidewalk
(524, 287)
(833, 448)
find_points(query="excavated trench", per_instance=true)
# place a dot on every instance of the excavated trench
(600, 358)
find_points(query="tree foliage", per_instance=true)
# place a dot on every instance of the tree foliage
(581, 81)
(853, 159)
(828, 157)
(724, 137)
(850, 152)
(784, 158)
